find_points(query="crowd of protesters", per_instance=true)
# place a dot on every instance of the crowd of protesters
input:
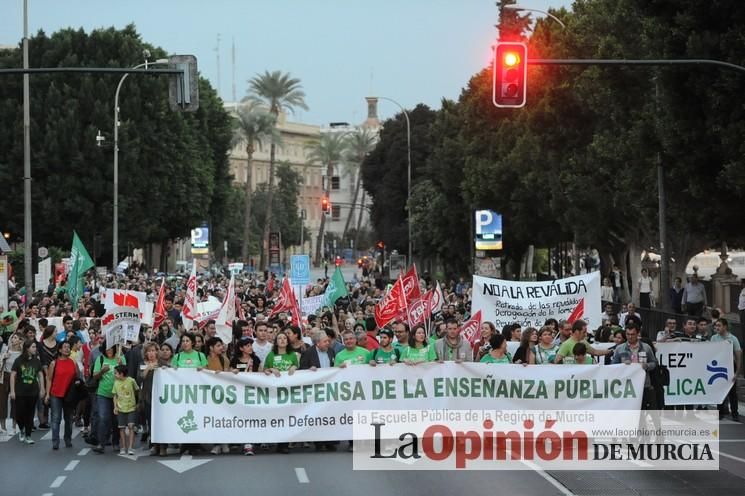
(70, 376)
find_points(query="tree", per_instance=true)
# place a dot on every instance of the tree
(253, 126)
(173, 166)
(279, 91)
(284, 203)
(384, 174)
(328, 150)
(359, 144)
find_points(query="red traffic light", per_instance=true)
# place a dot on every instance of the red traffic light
(325, 205)
(510, 75)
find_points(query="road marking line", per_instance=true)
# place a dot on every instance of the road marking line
(737, 458)
(549, 478)
(71, 466)
(58, 481)
(302, 476)
(84, 451)
(48, 494)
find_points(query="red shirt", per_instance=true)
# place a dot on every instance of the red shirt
(372, 343)
(64, 373)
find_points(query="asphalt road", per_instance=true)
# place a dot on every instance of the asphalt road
(38, 471)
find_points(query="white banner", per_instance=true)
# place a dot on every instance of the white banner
(310, 305)
(4, 271)
(700, 373)
(191, 406)
(45, 274)
(530, 303)
(121, 324)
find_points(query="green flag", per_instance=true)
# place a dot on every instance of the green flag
(80, 262)
(336, 288)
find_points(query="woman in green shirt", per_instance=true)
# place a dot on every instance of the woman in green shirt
(545, 350)
(498, 353)
(282, 358)
(188, 357)
(419, 349)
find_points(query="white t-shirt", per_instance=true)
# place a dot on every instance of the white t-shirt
(741, 303)
(262, 350)
(645, 285)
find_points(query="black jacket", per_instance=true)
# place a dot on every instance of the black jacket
(310, 358)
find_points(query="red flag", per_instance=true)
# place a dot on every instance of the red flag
(578, 311)
(417, 312)
(410, 282)
(159, 315)
(285, 301)
(392, 305)
(471, 329)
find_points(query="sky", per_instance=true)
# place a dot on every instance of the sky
(413, 51)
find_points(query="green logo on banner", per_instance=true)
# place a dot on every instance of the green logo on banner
(187, 423)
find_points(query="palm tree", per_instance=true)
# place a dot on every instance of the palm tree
(279, 91)
(359, 144)
(328, 150)
(253, 126)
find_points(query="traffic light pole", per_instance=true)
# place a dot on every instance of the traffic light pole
(651, 62)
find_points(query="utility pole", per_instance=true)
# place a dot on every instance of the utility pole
(28, 269)
(661, 210)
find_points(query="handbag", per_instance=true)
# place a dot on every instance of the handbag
(76, 391)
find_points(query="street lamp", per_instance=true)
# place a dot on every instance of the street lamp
(517, 7)
(145, 64)
(408, 173)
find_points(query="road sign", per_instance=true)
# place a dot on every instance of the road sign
(300, 269)
(43, 252)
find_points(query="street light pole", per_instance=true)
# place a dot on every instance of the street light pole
(115, 236)
(408, 173)
(28, 269)
(548, 14)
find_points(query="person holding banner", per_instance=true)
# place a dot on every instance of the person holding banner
(281, 358)
(352, 354)
(579, 334)
(525, 353)
(498, 351)
(420, 349)
(453, 347)
(723, 334)
(401, 331)
(636, 351)
(480, 345)
(386, 353)
(188, 357)
(545, 350)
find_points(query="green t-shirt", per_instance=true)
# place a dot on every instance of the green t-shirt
(424, 354)
(386, 356)
(106, 382)
(357, 356)
(488, 358)
(189, 360)
(281, 362)
(567, 347)
(124, 390)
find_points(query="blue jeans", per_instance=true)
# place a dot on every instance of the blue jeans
(106, 421)
(59, 411)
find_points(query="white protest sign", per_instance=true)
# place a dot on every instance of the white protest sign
(124, 298)
(700, 373)
(191, 406)
(530, 303)
(121, 324)
(310, 305)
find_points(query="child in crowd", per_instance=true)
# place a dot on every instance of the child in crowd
(125, 408)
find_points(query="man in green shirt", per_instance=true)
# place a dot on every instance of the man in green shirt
(579, 333)
(386, 353)
(351, 354)
(401, 330)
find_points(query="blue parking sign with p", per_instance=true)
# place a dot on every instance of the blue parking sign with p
(300, 269)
